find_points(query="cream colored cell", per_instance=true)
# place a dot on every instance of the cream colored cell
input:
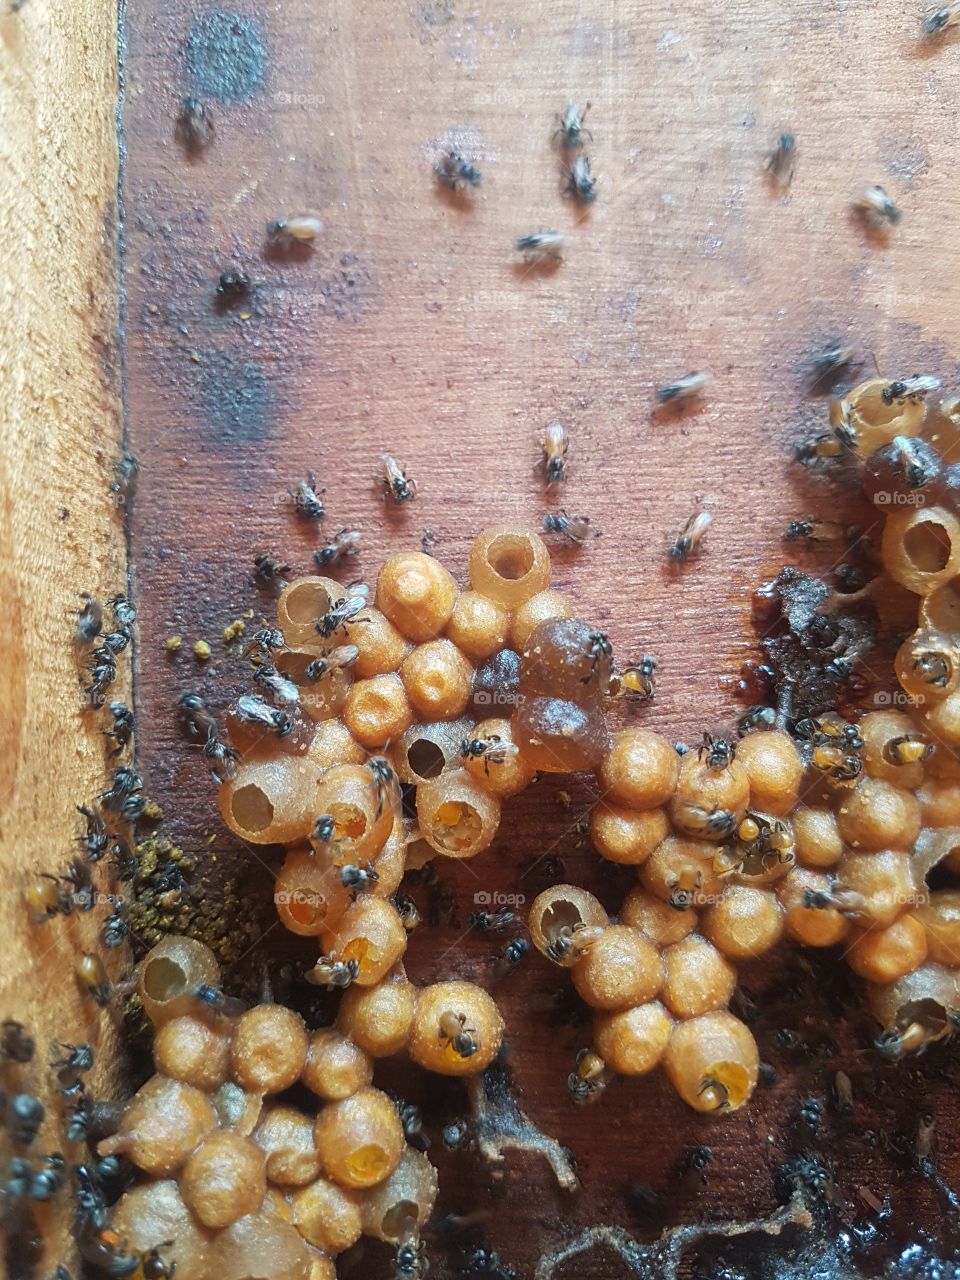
(662, 924)
(455, 815)
(745, 922)
(702, 792)
(446, 1011)
(303, 603)
(698, 979)
(168, 973)
(363, 808)
(336, 1067)
(324, 697)
(873, 422)
(478, 626)
(261, 1246)
(269, 1048)
(877, 887)
(920, 547)
(544, 605)
(633, 1041)
(883, 734)
(271, 801)
(194, 1050)
(712, 1062)
(622, 968)
(309, 894)
(371, 933)
(682, 872)
(811, 926)
(224, 1179)
(774, 770)
(163, 1122)
(417, 594)
(285, 1136)
(627, 836)
(502, 771)
(377, 710)
(877, 815)
(928, 662)
(405, 1198)
(333, 744)
(883, 955)
(438, 679)
(562, 912)
(940, 802)
(640, 770)
(381, 646)
(379, 1019)
(359, 1140)
(509, 565)
(151, 1212)
(940, 916)
(942, 721)
(327, 1215)
(816, 836)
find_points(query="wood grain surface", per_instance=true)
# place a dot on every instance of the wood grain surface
(60, 531)
(413, 327)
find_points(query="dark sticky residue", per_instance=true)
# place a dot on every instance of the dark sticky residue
(236, 399)
(225, 56)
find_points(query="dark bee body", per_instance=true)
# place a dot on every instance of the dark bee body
(571, 131)
(877, 207)
(492, 750)
(74, 1060)
(346, 542)
(253, 710)
(916, 388)
(222, 759)
(636, 683)
(323, 829)
(122, 728)
(538, 246)
(124, 795)
(16, 1044)
(126, 473)
(116, 927)
(48, 1180)
(826, 364)
(343, 656)
(453, 1031)
(124, 612)
(79, 878)
(569, 944)
(756, 717)
(396, 483)
(284, 691)
(194, 126)
(343, 612)
(453, 171)
(233, 285)
(690, 536)
(510, 956)
(329, 971)
(269, 568)
(265, 642)
(575, 528)
(94, 839)
(217, 1001)
(581, 184)
(358, 879)
(589, 1080)
(307, 499)
(196, 720)
(24, 1116)
(719, 751)
(555, 444)
(89, 619)
(938, 20)
(782, 158)
(409, 1262)
(683, 389)
(385, 784)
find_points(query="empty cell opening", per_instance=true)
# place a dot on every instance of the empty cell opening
(251, 808)
(400, 1220)
(927, 546)
(559, 915)
(368, 1163)
(163, 979)
(306, 601)
(928, 1012)
(426, 759)
(306, 907)
(510, 556)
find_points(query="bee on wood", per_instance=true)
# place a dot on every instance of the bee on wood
(695, 1163)
(589, 1080)
(269, 568)
(454, 1032)
(124, 613)
(571, 131)
(941, 19)
(93, 979)
(196, 720)
(396, 483)
(301, 228)
(122, 728)
(508, 958)
(221, 758)
(331, 972)
(123, 860)
(555, 445)
(94, 839)
(24, 1117)
(89, 619)
(124, 782)
(819, 531)
(232, 286)
(824, 446)
(126, 473)
(343, 656)
(575, 528)
(916, 388)
(344, 611)
(116, 927)
(541, 246)
(581, 184)
(719, 751)
(216, 1000)
(16, 1043)
(115, 641)
(283, 689)
(194, 126)
(756, 717)
(70, 1066)
(781, 160)
(683, 389)
(48, 1180)
(345, 542)
(307, 499)
(81, 883)
(358, 879)
(828, 363)
(492, 750)
(690, 536)
(636, 682)
(453, 171)
(46, 897)
(103, 672)
(876, 207)
(252, 709)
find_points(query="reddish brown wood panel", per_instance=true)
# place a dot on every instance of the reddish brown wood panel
(413, 327)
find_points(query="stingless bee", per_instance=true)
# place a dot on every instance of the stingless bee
(301, 228)
(941, 19)
(877, 207)
(831, 360)
(358, 879)
(194, 126)
(94, 839)
(453, 171)
(782, 158)
(332, 972)
(636, 682)
(915, 388)
(683, 389)
(122, 728)
(570, 129)
(89, 619)
(345, 542)
(575, 528)
(307, 499)
(719, 751)
(343, 656)
(589, 1080)
(540, 246)
(343, 612)
(571, 942)
(252, 709)
(385, 784)
(492, 750)
(269, 568)
(581, 184)
(555, 445)
(396, 483)
(453, 1031)
(690, 536)
(283, 689)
